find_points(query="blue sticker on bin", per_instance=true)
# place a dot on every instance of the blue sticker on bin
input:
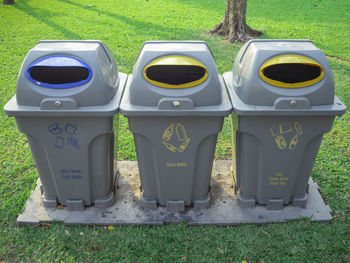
(59, 72)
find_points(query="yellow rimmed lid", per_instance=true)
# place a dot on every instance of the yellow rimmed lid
(175, 72)
(291, 71)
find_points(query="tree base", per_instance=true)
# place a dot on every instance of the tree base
(237, 34)
(219, 30)
(234, 24)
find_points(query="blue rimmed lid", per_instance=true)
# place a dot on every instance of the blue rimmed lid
(59, 72)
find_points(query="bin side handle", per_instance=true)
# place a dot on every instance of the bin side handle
(58, 104)
(175, 104)
(292, 103)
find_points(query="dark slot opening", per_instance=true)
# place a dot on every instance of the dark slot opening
(59, 75)
(292, 72)
(175, 74)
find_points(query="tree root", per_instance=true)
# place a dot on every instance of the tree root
(252, 32)
(242, 35)
(221, 29)
(234, 24)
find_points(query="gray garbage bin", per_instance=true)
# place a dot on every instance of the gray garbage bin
(67, 94)
(282, 93)
(175, 102)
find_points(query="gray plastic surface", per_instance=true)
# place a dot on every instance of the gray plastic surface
(144, 93)
(73, 156)
(70, 131)
(271, 164)
(129, 109)
(335, 108)
(252, 90)
(276, 132)
(167, 172)
(175, 130)
(102, 86)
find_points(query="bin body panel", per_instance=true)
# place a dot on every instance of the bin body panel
(275, 155)
(175, 156)
(74, 158)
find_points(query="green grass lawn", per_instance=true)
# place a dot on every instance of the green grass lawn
(124, 25)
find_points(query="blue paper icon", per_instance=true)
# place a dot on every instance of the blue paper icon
(55, 128)
(70, 129)
(73, 141)
(59, 143)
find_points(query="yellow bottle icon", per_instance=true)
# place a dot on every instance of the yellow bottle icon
(298, 128)
(168, 132)
(182, 137)
(180, 134)
(293, 143)
(280, 130)
(170, 146)
(281, 142)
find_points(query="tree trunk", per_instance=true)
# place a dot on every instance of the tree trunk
(234, 24)
(8, 2)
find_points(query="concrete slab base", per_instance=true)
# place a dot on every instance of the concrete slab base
(224, 209)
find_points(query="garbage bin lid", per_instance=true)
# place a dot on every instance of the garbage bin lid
(276, 72)
(175, 78)
(59, 72)
(282, 77)
(83, 71)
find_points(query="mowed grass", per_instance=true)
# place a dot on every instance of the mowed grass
(124, 25)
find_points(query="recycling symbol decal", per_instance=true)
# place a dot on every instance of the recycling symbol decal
(281, 131)
(175, 138)
(64, 132)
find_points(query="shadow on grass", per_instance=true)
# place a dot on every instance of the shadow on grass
(44, 16)
(297, 11)
(216, 6)
(139, 27)
(134, 27)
